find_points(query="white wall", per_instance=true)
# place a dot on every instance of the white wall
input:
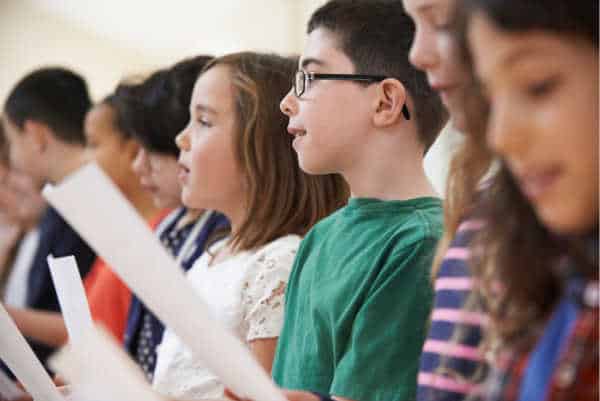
(108, 40)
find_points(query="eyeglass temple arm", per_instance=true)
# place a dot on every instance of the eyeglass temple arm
(355, 77)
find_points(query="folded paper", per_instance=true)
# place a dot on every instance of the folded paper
(71, 296)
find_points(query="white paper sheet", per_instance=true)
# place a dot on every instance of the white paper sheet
(114, 375)
(94, 207)
(71, 296)
(18, 356)
(8, 389)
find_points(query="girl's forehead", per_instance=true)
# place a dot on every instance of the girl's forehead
(212, 89)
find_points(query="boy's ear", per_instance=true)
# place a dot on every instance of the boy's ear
(391, 98)
(39, 135)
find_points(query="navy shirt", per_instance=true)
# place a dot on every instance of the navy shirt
(144, 330)
(57, 238)
(450, 362)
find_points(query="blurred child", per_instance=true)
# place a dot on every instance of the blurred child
(537, 255)
(157, 110)
(20, 208)
(112, 145)
(451, 364)
(43, 121)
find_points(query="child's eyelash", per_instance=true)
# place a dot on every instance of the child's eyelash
(204, 122)
(542, 88)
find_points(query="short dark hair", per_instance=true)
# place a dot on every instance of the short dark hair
(120, 111)
(56, 97)
(157, 110)
(376, 35)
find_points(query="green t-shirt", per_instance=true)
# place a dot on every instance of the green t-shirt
(358, 301)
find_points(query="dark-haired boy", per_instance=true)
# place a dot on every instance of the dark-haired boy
(43, 122)
(359, 296)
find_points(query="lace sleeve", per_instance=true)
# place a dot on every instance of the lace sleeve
(263, 291)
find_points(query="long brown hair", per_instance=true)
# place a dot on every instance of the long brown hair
(472, 160)
(468, 167)
(514, 255)
(281, 198)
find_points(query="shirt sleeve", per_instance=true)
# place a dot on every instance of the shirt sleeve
(389, 329)
(451, 364)
(263, 292)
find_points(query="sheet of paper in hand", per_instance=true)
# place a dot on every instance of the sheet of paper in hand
(93, 206)
(8, 388)
(114, 375)
(71, 296)
(18, 356)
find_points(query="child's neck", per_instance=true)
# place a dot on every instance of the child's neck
(67, 160)
(143, 204)
(389, 175)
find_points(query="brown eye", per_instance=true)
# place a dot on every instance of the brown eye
(542, 88)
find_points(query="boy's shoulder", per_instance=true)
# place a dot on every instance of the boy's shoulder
(391, 224)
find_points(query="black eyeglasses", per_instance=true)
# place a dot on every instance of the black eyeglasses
(302, 79)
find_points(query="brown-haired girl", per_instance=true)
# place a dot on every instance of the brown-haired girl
(237, 158)
(537, 255)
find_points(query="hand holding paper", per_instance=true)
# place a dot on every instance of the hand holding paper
(21, 360)
(101, 370)
(8, 389)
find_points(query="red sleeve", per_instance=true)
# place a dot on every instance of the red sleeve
(108, 297)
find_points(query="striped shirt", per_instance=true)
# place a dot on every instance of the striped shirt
(449, 361)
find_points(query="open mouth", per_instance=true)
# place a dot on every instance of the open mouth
(296, 132)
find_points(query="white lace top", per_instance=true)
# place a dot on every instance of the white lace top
(245, 292)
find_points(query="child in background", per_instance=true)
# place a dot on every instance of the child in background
(43, 121)
(158, 110)
(112, 145)
(10, 230)
(537, 255)
(237, 158)
(359, 295)
(451, 363)
(21, 206)
(113, 148)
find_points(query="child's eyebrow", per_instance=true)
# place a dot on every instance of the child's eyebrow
(307, 61)
(204, 108)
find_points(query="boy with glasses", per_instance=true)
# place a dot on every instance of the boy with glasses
(359, 296)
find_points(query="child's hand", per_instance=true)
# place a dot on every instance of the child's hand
(64, 390)
(291, 395)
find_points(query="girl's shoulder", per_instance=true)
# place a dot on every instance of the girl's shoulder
(280, 252)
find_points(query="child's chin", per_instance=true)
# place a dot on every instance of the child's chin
(187, 199)
(314, 168)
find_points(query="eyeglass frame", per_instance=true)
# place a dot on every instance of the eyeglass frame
(313, 76)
